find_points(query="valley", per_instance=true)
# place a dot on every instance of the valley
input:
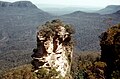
(18, 24)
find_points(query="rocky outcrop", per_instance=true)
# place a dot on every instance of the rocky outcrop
(54, 47)
(110, 50)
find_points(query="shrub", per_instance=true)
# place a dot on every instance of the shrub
(23, 72)
(44, 73)
(110, 50)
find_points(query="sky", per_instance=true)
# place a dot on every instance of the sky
(72, 3)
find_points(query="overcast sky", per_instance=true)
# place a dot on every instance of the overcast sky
(73, 3)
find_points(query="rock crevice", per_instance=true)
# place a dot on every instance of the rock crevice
(54, 47)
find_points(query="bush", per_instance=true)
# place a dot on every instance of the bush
(43, 73)
(110, 51)
(83, 63)
(23, 72)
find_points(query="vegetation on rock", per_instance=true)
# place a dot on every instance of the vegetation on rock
(54, 49)
(110, 54)
(85, 65)
(104, 66)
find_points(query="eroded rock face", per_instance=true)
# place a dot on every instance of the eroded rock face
(110, 50)
(54, 47)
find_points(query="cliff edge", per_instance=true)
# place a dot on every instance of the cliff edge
(110, 51)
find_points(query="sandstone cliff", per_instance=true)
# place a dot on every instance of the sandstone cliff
(54, 48)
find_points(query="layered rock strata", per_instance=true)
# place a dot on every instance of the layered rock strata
(54, 47)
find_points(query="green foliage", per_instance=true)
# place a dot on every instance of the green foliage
(49, 28)
(96, 70)
(23, 72)
(90, 67)
(26, 72)
(44, 73)
(110, 51)
(116, 74)
(83, 65)
(69, 29)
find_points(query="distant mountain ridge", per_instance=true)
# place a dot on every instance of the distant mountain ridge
(18, 25)
(81, 14)
(118, 12)
(15, 20)
(21, 8)
(19, 4)
(109, 9)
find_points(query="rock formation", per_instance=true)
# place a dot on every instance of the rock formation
(110, 50)
(54, 47)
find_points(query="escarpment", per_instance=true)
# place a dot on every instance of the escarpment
(110, 50)
(54, 48)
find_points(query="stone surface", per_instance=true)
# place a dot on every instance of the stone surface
(54, 47)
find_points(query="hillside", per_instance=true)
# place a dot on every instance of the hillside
(19, 4)
(85, 65)
(109, 9)
(17, 34)
(18, 30)
(18, 24)
(117, 13)
(88, 27)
